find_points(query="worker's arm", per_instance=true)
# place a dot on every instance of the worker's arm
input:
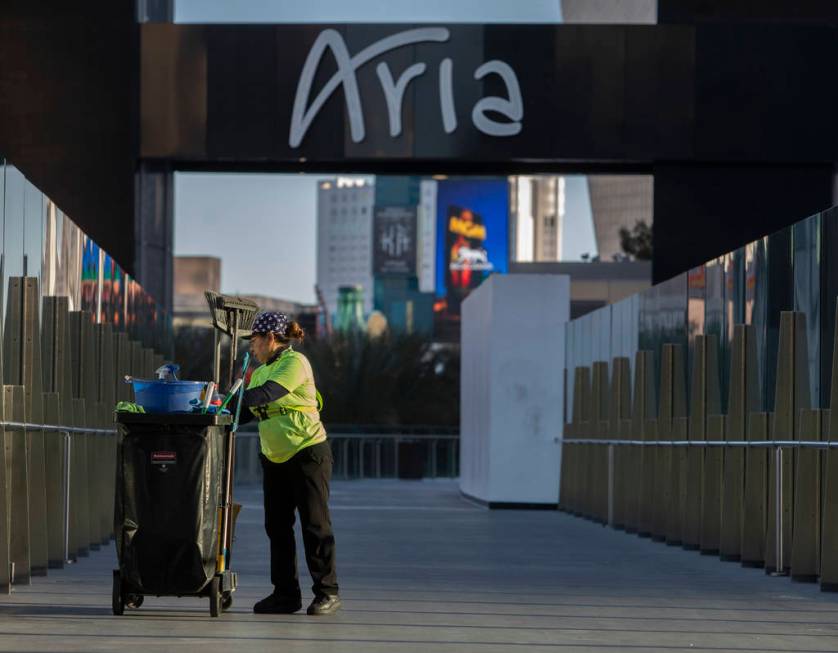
(263, 394)
(258, 396)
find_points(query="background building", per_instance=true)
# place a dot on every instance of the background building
(404, 251)
(196, 274)
(593, 285)
(193, 276)
(344, 239)
(407, 309)
(426, 217)
(618, 201)
(537, 207)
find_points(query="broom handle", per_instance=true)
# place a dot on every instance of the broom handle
(228, 483)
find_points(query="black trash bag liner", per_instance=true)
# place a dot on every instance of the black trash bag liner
(168, 492)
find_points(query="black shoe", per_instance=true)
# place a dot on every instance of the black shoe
(324, 605)
(277, 605)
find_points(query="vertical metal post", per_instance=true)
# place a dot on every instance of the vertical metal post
(17, 485)
(345, 455)
(67, 467)
(216, 356)
(360, 457)
(457, 455)
(254, 464)
(778, 509)
(396, 457)
(378, 458)
(433, 458)
(611, 485)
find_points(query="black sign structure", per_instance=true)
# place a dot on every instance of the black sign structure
(729, 104)
(486, 93)
(394, 241)
(309, 93)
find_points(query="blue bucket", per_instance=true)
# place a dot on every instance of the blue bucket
(166, 396)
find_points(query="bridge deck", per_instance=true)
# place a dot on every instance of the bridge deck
(423, 570)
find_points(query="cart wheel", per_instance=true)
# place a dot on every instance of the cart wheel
(133, 601)
(215, 596)
(117, 602)
(226, 601)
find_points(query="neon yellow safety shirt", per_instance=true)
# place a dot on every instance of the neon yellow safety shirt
(293, 421)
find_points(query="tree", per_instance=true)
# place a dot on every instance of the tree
(193, 352)
(637, 241)
(391, 380)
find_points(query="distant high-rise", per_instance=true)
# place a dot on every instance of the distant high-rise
(537, 206)
(426, 232)
(618, 201)
(344, 239)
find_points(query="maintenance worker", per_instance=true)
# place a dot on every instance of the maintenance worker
(296, 466)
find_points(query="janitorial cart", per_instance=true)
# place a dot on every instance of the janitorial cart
(173, 515)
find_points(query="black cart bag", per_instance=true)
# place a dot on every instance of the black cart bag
(169, 490)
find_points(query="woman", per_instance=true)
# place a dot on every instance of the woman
(296, 465)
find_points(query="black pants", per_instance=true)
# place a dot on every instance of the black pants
(301, 484)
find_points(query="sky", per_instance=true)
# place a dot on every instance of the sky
(367, 11)
(263, 226)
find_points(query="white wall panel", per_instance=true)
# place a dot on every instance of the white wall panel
(513, 358)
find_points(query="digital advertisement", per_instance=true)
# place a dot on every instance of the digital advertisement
(472, 238)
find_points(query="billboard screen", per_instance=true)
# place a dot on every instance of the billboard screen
(472, 238)
(394, 241)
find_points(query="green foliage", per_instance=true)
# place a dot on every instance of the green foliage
(389, 380)
(637, 241)
(392, 380)
(193, 352)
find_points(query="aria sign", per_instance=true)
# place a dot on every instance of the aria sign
(303, 114)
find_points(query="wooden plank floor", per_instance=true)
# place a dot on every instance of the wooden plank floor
(421, 569)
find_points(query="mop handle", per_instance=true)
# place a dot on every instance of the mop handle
(224, 552)
(238, 384)
(241, 392)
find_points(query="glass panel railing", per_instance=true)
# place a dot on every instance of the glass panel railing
(829, 294)
(33, 230)
(38, 240)
(756, 305)
(806, 252)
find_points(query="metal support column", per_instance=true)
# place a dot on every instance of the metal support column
(755, 502)
(711, 488)
(806, 530)
(55, 465)
(17, 476)
(22, 366)
(778, 509)
(5, 468)
(79, 474)
(611, 485)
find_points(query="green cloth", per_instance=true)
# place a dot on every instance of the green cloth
(129, 407)
(294, 419)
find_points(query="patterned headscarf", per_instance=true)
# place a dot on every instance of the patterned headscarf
(271, 322)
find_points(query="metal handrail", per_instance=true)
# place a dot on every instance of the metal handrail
(51, 428)
(757, 444)
(374, 444)
(777, 445)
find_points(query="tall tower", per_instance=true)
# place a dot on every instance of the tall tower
(618, 201)
(548, 212)
(344, 239)
(537, 208)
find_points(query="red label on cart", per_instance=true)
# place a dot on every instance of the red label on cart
(163, 458)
